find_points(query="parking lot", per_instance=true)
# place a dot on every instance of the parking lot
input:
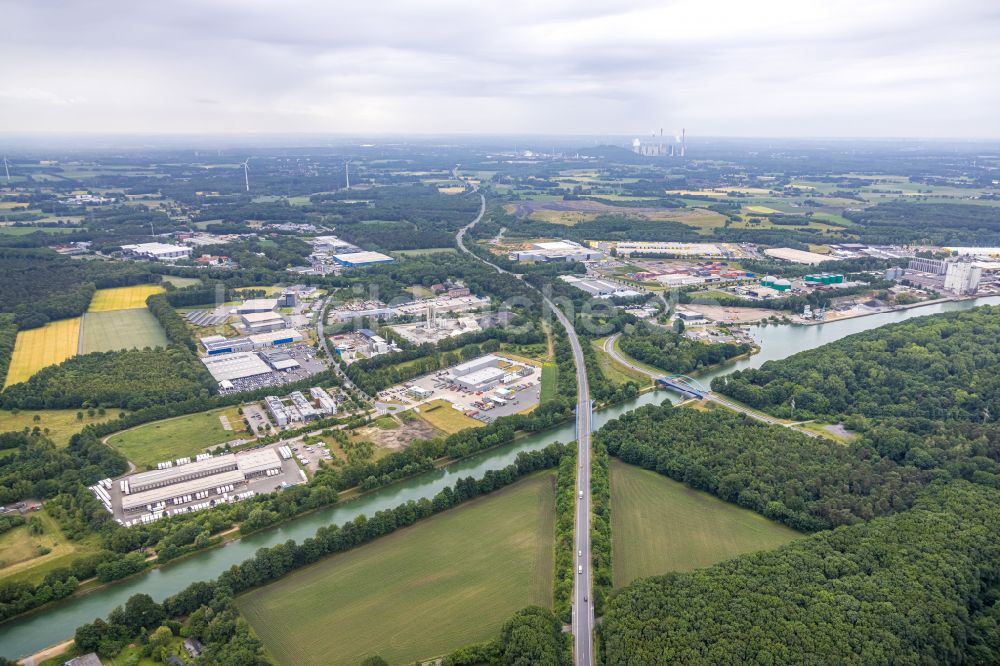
(485, 406)
(309, 455)
(256, 418)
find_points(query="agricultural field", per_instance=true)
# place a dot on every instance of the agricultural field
(182, 436)
(120, 329)
(441, 415)
(60, 423)
(38, 348)
(659, 525)
(123, 298)
(25, 231)
(181, 282)
(424, 590)
(26, 556)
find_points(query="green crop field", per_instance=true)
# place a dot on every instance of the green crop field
(425, 590)
(25, 231)
(121, 329)
(183, 436)
(181, 282)
(659, 525)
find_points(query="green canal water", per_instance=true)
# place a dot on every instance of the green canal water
(27, 635)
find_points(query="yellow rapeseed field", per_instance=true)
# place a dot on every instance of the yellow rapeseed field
(37, 348)
(123, 298)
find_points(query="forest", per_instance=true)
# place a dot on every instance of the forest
(42, 286)
(808, 483)
(905, 222)
(941, 367)
(672, 352)
(131, 379)
(918, 587)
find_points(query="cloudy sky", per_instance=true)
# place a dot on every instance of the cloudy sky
(914, 68)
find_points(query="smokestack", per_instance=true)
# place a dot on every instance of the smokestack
(683, 138)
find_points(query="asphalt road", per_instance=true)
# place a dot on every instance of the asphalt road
(583, 613)
(320, 316)
(609, 348)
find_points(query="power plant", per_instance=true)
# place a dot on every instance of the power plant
(659, 148)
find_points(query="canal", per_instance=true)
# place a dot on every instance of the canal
(27, 635)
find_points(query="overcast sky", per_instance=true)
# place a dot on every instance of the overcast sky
(914, 68)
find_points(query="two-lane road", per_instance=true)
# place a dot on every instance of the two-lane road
(583, 615)
(609, 348)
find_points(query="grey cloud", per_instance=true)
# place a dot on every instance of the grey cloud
(773, 67)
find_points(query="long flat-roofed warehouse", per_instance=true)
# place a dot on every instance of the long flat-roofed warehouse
(164, 477)
(237, 365)
(206, 477)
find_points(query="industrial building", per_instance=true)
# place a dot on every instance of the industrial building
(257, 305)
(798, 256)
(235, 365)
(600, 288)
(158, 251)
(479, 374)
(556, 251)
(376, 343)
(932, 266)
(285, 336)
(710, 250)
(962, 277)
(215, 475)
(277, 410)
(216, 345)
(362, 259)
(262, 322)
(480, 380)
(323, 401)
(824, 279)
(305, 409)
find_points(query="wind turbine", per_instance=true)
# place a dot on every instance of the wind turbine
(6, 167)
(246, 172)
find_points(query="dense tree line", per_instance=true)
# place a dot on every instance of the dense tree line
(672, 352)
(203, 602)
(940, 367)
(132, 379)
(42, 286)
(805, 482)
(904, 589)
(8, 338)
(906, 222)
(38, 468)
(173, 324)
(565, 553)
(600, 526)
